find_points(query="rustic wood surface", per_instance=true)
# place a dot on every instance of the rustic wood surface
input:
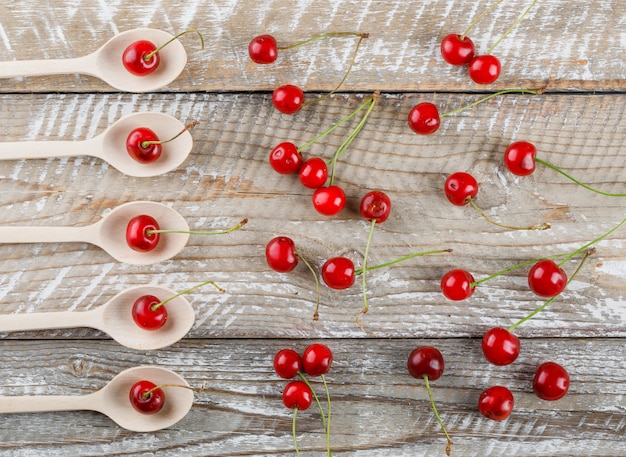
(577, 48)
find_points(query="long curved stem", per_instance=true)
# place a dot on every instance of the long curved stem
(364, 269)
(196, 232)
(151, 54)
(514, 267)
(490, 96)
(402, 259)
(542, 226)
(321, 36)
(479, 18)
(571, 178)
(432, 404)
(293, 431)
(591, 243)
(145, 144)
(317, 286)
(519, 19)
(163, 302)
(316, 398)
(327, 416)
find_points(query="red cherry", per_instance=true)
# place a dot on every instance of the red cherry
(496, 403)
(146, 400)
(141, 145)
(459, 187)
(424, 118)
(338, 273)
(280, 254)
(500, 346)
(425, 360)
(288, 99)
(285, 158)
(134, 58)
(551, 381)
(137, 235)
(297, 394)
(546, 278)
(287, 363)
(519, 158)
(316, 359)
(144, 314)
(457, 49)
(263, 49)
(375, 205)
(457, 284)
(313, 173)
(484, 69)
(329, 200)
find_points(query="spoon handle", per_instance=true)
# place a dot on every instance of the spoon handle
(15, 150)
(43, 67)
(17, 234)
(44, 321)
(41, 403)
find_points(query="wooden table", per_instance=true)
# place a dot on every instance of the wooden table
(378, 409)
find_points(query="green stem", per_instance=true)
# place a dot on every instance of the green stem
(293, 431)
(151, 54)
(327, 416)
(321, 36)
(351, 137)
(193, 232)
(547, 303)
(495, 94)
(317, 286)
(542, 226)
(519, 19)
(478, 19)
(432, 404)
(591, 243)
(558, 170)
(401, 259)
(161, 303)
(514, 267)
(145, 144)
(316, 398)
(364, 269)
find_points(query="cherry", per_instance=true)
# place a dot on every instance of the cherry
(457, 284)
(424, 118)
(519, 158)
(297, 395)
(426, 362)
(313, 173)
(546, 278)
(460, 187)
(280, 254)
(143, 144)
(457, 49)
(287, 363)
(375, 205)
(551, 381)
(496, 403)
(484, 69)
(317, 359)
(146, 397)
(148, 316)
(338, 273)
(500, 346)
(141, 233)
(285, 158)
(329, 200)
(142, 57)
(263, 49)
(288, 99)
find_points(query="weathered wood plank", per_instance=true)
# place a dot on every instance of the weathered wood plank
(576, 44)
(377, 408)
(227, 178)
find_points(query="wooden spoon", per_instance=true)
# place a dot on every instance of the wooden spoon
(115, 319)
(106, 63)
(110, 233)
(113, 400)
(110, 145)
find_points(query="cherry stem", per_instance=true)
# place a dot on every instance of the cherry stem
(145, 144)
(542, 226)
(345, 76)
(479, 18)
(327, 415)
(319, 405)
(515, 24)
(147, 393)
(352, 136)
(495, 94)
(321, 36)
(432, 404)
(514, 267)
(401, 259)
(194, 232)
(326, 132)
(316, 315)
(558, 170)
(545, 305)
(364, 268)
(151, 54)
(161, 303)
(293, 431)
(591, 243)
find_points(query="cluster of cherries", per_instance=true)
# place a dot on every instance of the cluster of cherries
(298, 395)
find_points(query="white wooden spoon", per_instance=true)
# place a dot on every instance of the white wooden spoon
(115, 318)
(113, 400)
(110, 145)
(106, 63)
(110, 233)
